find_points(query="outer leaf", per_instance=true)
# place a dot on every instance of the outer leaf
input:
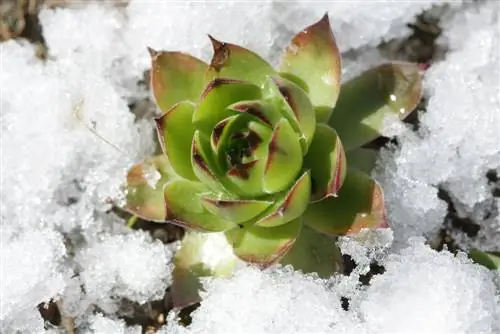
(487, 259)
(175, 77)
(237, 211)
(314, 57)
(184, 207)
(291, 206)
(263, 246)
(363, 159)
(368, 102)
(189, 267)
(145, 182)
(360, 204)
(284, 159)
(218, 95)
(326, 159)
(314, 252)
(176, 131)
(235, 62)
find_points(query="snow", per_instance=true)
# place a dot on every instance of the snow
(67, 138)
(422, 291)
(457, 143)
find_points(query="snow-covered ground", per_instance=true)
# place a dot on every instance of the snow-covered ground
(68, 136)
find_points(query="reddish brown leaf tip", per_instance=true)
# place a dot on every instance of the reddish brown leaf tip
(153, 53)
(216, 83)
(221, 54)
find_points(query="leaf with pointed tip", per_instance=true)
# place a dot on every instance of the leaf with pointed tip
(262, 111)
(489, 260)
(284, 159)
(314, 57)
(217, 97)
(175, 132)
(145, 182)
(235, 62)
(185, 208)
(189, 267)
(263, 246)
(360, 204)
(370, 101)
(314, 252)
(247, 177)
(363, 159)
(204, 164)
(237, 211)
(294, 105)
(326, 159)
(292, 205)
(175, 77)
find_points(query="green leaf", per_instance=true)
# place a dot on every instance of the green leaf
(284, 159)
(204, 164)
(185, 208)
(326, 159)
(360, 204)
(175, 132)
(145, 182)
(294, 105)
(363, 159)
(489, 260)
(370, 101)
(263, 246)
(301, 107)
(189, 268)
(235, 62)
(237, 211)
(218, 95)
(314, 252)
(291, 206)
(314, 57)
(175, 77)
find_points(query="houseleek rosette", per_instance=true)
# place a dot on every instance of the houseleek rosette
(256, 152)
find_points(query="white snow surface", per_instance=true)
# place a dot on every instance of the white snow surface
(67, 137)
(422, 291)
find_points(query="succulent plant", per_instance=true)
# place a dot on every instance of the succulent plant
(272, 158)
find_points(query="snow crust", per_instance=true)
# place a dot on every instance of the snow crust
(67, 137)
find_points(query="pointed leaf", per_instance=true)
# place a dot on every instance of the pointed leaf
(175, 77)
(145, 182)
(314, 57)
(489, 260)
(363, 159)
(261, 245)
(326, 159)
(183, 200)
(176, 131)
(360, 204)
(247, 178)
(292, 206)
(235, 62)
(369, 102)
(204, 163)
(302, 108)
(237, 211)
(284, 159)
(293, 104)
(314, 252)
(189, 267)
(262, 111)
(218, 95)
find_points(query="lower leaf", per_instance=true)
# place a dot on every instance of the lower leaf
(264, 246)
(314, 252)
(360, 204)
